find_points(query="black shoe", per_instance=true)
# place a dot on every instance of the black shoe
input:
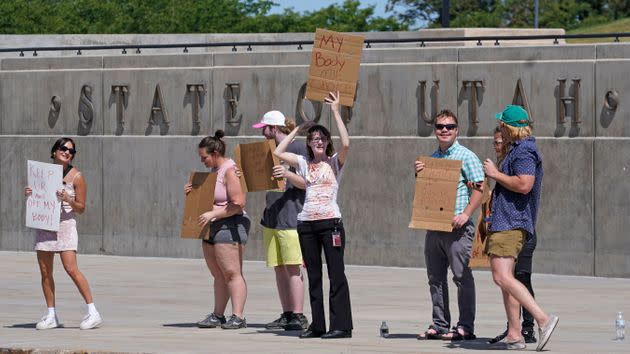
(309, 333)
(280, 322)
(498, 338)
(337, 333)
(528, 335)
(298, 322)
(235, 322)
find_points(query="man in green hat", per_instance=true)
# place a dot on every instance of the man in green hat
(513, 220)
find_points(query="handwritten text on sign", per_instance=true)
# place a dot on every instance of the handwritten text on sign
(43, 208)
(334, 66)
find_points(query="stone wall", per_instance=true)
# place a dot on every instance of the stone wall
(136, 166)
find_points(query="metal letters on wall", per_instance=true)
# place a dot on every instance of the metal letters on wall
(54, 110)
(520, 98)
(300, 113)
(475, 90)
(197, 93)
(158, 114)
(347, 111)
(86, 110)
(422, 101)
(568, 106)
(120, 93)
(233, 120)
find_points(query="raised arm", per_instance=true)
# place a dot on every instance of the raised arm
(333, 101)
(281, 150)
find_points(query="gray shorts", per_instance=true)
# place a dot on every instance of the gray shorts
(230, 230)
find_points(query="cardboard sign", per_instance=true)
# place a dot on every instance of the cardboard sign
(436, 191)
(256, 161)
(43, 208)
(335, 62)
(198, 201)
(477, 258)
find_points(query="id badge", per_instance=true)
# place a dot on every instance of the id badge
(336, 239)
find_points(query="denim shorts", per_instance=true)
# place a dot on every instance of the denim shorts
(233, 229)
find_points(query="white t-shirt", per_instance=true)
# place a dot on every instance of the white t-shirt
(322, 183)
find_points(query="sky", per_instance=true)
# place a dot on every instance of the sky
(313, 5)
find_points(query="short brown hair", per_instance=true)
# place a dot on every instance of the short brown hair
(446, 113)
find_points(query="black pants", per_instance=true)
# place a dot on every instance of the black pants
(315, 235)
(523, 273)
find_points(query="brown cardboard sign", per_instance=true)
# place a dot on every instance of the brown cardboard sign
(477, 258)
(436, 191)
(256, 161)
(197, 202)
(335, 63)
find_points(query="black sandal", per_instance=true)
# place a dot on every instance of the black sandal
(456, 335)
(427, 335)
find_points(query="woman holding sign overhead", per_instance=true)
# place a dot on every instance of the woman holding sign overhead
(64, 241)
(320, 225)
(224, 249)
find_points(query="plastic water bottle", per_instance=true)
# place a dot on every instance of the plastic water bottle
(384, 330)
(620, 326)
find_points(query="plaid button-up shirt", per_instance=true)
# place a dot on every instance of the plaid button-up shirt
(472, 171)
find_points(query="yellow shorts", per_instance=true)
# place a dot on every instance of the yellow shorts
(282, 247)
(505, 243)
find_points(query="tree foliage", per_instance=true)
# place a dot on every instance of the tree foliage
(181, 16)
(566, 14)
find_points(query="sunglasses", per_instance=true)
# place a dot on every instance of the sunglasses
(497, 142)
(62, 148)
(323, 140)
(447, 126)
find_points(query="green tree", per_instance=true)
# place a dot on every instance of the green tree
(181, 16)
(566, 14)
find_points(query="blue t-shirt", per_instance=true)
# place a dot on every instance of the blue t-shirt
(511, 210)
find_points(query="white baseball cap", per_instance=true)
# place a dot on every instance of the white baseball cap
(270, 118)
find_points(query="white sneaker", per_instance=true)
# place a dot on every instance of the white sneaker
(91, 321)
(48, 322)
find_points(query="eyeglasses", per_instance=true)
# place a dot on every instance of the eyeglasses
(322, 139)
(447, 126)
(498, 142)
(63, 148)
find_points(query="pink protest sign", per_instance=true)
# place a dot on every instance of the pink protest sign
(43, 208)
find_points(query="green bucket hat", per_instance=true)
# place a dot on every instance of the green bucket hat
(514, 115)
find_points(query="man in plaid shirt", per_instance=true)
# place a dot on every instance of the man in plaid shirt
(453, 249)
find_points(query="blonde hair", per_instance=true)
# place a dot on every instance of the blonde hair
(515, 133)
(289, 125)
(510, 134)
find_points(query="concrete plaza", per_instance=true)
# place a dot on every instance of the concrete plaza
(151, 304)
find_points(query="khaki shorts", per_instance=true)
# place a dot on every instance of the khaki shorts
(282, 247)
(505, 243)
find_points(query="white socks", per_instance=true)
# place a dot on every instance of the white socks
(51, 311)
(92, 309)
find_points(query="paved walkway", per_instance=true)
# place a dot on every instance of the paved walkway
(151, 304)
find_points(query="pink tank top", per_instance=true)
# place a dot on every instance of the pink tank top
(220, 188)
